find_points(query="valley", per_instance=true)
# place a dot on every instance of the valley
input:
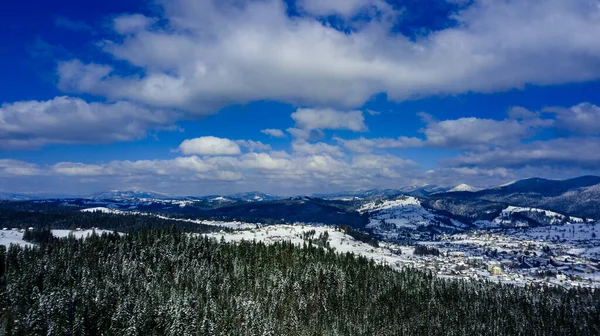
(467, 239)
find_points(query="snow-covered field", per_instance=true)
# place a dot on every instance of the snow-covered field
(338, 240)
(79, 233)
(8, 237)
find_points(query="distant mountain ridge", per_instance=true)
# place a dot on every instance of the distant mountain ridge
(579, 197)
(133, 193)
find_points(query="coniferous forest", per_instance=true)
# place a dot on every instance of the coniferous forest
(168, 282)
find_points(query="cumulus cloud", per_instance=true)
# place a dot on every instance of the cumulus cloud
(344, 8)
(320, 119)
(363, 145)
(254, 145)
(276, 133)
(583, 118)
(305, 134)
(9, 167)
(302, 147)
(311, 166)
(209, 145)
(129, 24)
(66, 120)
(474, 132)
(210, 54)
(78, 169)
(583, 153)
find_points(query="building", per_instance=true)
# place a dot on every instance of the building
(496, 270)
(491, 265)
(475, 260)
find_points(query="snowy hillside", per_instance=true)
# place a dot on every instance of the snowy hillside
(128, 194)
(463, 187)
(295, 234)
(523, 217)
(390, 218)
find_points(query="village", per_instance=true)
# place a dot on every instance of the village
(510, 257)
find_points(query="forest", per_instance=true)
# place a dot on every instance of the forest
(171, 282)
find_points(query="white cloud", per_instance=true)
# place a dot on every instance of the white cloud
(373, 113)
(212, 55)
(78, 169)
(277, 133)
(344, 8)
(66, 120)
(9, 167)
(363, 145)
(209, 145)
(582, 153)
(305, 134)
(305, 148)
(380, 161)
(320, 119)
(462, 133)
(474, 132)
(254, 145)
(583, 118)
(129, 24)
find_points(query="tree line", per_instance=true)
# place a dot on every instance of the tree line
(170, 282)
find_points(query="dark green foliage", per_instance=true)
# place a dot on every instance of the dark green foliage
(39, 236)
(62, 219)
(360, 236)
(426, 250)
(305, 210)
(169, 283)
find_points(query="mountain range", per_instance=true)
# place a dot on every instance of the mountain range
(387, 212)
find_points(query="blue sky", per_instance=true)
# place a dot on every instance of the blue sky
(204, 97)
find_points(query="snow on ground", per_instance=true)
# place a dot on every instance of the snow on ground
(568, 232)
(551, 217)
(79, 233)
(230, 225)
(390, 216)
(15, 236)
(108, 211)
(388, 204)
(8, 237)
(338, 240)
(462, 187)
(220, 199)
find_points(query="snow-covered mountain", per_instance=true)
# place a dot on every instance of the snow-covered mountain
(10, 196)
(359, 194)
(254, 196)
(15, 197)
(129, 194)
(577, 197)
(391, 218)
(463, 187)
(514, 216)
(423, 190)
